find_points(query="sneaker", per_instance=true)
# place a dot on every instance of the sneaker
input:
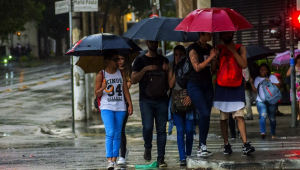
(110, 165)
(249, 117)
(202, 152)
(116, 166)
(162, 163)
(183, 163)
(263, 136)
(121, 161)
(147, 154)
(227, 149)
(247, 148)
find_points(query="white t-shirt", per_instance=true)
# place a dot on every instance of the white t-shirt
(261, 96)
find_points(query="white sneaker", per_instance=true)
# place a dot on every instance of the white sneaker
(110, 165)
(121, 161)
(116, 166)
(203, 152)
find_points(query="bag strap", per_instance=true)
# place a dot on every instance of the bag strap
(259, 84)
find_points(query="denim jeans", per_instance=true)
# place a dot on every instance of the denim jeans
(265, 109)
(184, 126)
(202, 95)
(155, 110)
(113, 122)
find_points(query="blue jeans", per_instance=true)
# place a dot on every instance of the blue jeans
(184, 126)
(265, 109)
(155, 110)
(201, 95)
(113, 122)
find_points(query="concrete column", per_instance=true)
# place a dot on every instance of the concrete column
(203, 4)
(78, 74)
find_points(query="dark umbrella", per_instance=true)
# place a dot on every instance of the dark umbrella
(95, 44)
(258, 52)
(159, 29)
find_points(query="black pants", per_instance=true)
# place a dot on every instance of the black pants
(123, 136)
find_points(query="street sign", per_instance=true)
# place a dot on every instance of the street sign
(85, 5)
(62, 7)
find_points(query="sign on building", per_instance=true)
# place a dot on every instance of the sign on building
(85, 5)
(62, 7)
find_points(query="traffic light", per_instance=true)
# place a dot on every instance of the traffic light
(296, 23)
(277, 26)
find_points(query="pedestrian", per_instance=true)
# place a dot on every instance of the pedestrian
(28, 49)
(265, 108)
(200, 87)
(297, 82)
(18, 51)
(125, 67)
(151, 72)
(182, 109)
(112, 105)
(229, 91)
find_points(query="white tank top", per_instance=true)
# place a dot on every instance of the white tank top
(114, 100)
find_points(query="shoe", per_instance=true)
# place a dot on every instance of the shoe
(110, 165)
(162, 163)
(121, 161)
(279, 113)
(126, 154)
(263, 136)
(203, 152)
(227, 149)
(116, 166)
(247, 148)
(183, 163)
(147, 154)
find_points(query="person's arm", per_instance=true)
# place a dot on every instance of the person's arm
(214, 63)
(252, 85)
(128, 84)
(195, 60)
(274, 79)
(137, 76)
(171, 78)
(127, 96)
(288, 73)
(100, 86)
(240, 58)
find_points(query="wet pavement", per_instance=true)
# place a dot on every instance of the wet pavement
(36, 133)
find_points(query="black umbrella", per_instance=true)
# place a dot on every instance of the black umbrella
(160, 29)
(258, 52)
(95, 44)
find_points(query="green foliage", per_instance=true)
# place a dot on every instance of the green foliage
(14, 14)
(143, 8)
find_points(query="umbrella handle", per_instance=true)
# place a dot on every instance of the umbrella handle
(111, 89)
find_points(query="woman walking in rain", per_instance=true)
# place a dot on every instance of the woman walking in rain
(265, 108)
(200, 87)
(181, 109)
(112, 88)
(125, 67)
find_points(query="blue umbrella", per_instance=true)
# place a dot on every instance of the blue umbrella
(95, 44)
(160, 29)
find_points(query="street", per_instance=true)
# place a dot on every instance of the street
(36, 132)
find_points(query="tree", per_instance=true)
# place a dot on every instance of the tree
(14, 14)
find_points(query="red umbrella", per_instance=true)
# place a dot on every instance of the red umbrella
(213, 20)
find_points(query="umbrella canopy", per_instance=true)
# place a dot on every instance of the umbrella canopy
(283, 59)
(95, 44)
(94, 64)
(258, 52)
(159, 29)
(213, 20)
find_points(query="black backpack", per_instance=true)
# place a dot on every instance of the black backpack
(182, 69)
(156, 80)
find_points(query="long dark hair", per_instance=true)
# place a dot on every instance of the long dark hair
(127, 66)
(268, 68)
